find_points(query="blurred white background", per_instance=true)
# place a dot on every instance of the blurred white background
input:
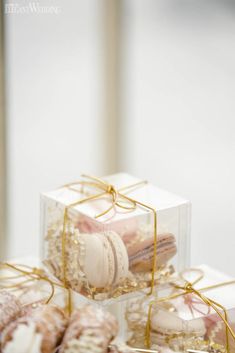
(161, 95)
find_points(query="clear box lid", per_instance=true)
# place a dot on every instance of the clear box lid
(148, 194)
(214, 285)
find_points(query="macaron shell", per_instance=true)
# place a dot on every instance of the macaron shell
(145, 263)
(106, 259)
(99, 266)
(168, 323)
(141, 255)
(165, 322)
(148, 242)
(120, 256)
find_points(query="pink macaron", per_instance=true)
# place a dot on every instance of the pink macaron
(141, 254)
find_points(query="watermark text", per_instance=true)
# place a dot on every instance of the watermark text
(32, 7)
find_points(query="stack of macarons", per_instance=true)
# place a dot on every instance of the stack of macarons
(104, 258)
(113, 261)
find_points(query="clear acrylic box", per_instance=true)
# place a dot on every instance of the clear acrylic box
(111, 255)
(186, 322)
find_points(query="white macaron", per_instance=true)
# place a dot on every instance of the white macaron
(105, 258)
(166, 324)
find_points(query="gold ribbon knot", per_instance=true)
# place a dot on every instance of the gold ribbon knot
(118, 198)
(188, 287)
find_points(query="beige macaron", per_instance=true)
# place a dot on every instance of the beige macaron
(105, 258)
(165, 324)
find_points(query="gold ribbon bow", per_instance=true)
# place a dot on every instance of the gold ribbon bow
(32, 273)
(118, 199)
(188, 288)
(106, 189)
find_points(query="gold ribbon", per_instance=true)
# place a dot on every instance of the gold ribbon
(188, 288)
(33, 273)
(118, 199)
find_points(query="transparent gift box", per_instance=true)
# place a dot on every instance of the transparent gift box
(100, 237)
(185, 323)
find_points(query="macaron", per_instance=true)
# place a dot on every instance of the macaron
(166, 325)
(105, 259)
(141, 254)
(97, 259)
(126, 228)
